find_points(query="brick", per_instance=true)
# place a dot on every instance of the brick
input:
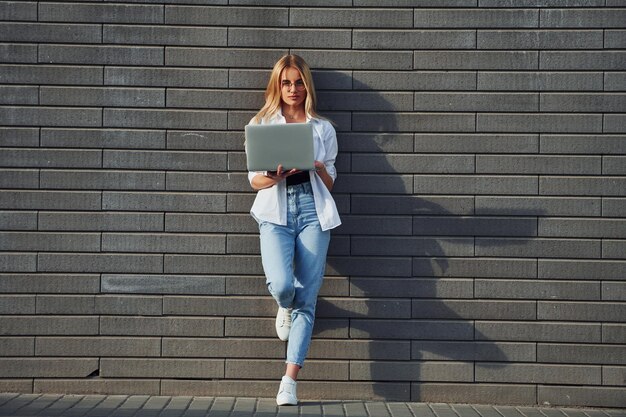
(213, 141)
(476, 60)
(475, 184)
(164, 119)
(101, 221)
(102, 96)
(538, 373)
(19, 95)
(476, 267)
(587, 60)
(540, 81)
(226, 16)
(541, 3)
(614, 249)
(50, 74)
(18, 262)
(50, 116)
(102, 138)
(476, 101)
(539, 39)
(473, 309)
(97, 346)
(538, 331)
(168, 160)
(100, 13)
(102, 180)
(99, 386)
(14, 10)
(613, 333)
(538, 248)
(614, 123)
(583, 144)
(161, 368)
(268, 369)
(413, 80)
(373, 308)
(365, 101)
(166, 77)
(65, 304)
(390, 205)
(214, 99)
(250, 245)
(350, 18)
(164, 35)
(72, 262)
(582, 18)
(474, 226)
(613, 81)
(223, 348)
(414, 122)
(59, 368)
(581, 354)
(475, 18)
(17, 304)
(369, 266)
(614, 165)
(49, 325)
(384, 142)
(18, 220)
(615, 291)
(357, 60)
(412, 371)
(219, 306)
(17, 346)
(19, 136)
(410, 246)
(576, 311)
(581, 396)
(415, 288)
(411, 329)
(589, 270)
(129, 305)
(289, 38)
(19, 178)
(61, 242)
(533, 122)
(536, 289)
(359, 349)
(599, 228)
(43, 32)
(210, 223)
(585, 102)
(399, 163)
(49, 283)
(532, 206)
(163, 284)
(216, 264)
(408, 39)
(100, 55)
(164, 202)
(42, 158)
(162, 326)
(18, 53)
(613, 207)
(613, 375)
(583, 186)
(221, 57)
(473, 351)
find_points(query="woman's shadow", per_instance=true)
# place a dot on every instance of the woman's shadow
(408, 327)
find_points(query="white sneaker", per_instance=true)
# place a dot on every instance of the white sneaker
(287, 392)
(283, 323)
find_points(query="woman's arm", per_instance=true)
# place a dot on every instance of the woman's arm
(320, 169)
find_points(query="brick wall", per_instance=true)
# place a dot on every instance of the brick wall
(482, 188)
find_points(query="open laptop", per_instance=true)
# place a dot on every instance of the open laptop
(289, 144)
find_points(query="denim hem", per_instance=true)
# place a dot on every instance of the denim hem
(295, 363)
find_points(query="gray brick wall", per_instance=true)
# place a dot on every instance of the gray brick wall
(482, 187)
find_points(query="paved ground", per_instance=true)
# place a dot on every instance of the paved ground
(48, 405)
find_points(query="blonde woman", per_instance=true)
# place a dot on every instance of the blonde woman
(295, 212)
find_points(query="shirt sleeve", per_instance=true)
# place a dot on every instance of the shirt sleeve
(330, 144)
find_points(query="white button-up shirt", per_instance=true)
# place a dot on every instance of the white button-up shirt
(270, 203)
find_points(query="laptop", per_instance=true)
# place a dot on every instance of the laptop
(289, 144)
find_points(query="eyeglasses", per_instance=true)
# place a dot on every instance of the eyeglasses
(286, 84)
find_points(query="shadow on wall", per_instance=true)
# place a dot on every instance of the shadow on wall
(410, 321)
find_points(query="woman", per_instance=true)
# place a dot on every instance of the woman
(295, 212)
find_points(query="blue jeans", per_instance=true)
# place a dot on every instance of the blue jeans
(294, 259)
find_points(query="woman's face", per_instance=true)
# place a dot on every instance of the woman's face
(292, 89)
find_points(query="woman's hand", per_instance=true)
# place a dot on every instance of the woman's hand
(320, 169)
(271, 178)
(279, 174)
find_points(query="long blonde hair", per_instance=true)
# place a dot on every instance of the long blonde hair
(273, 91)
